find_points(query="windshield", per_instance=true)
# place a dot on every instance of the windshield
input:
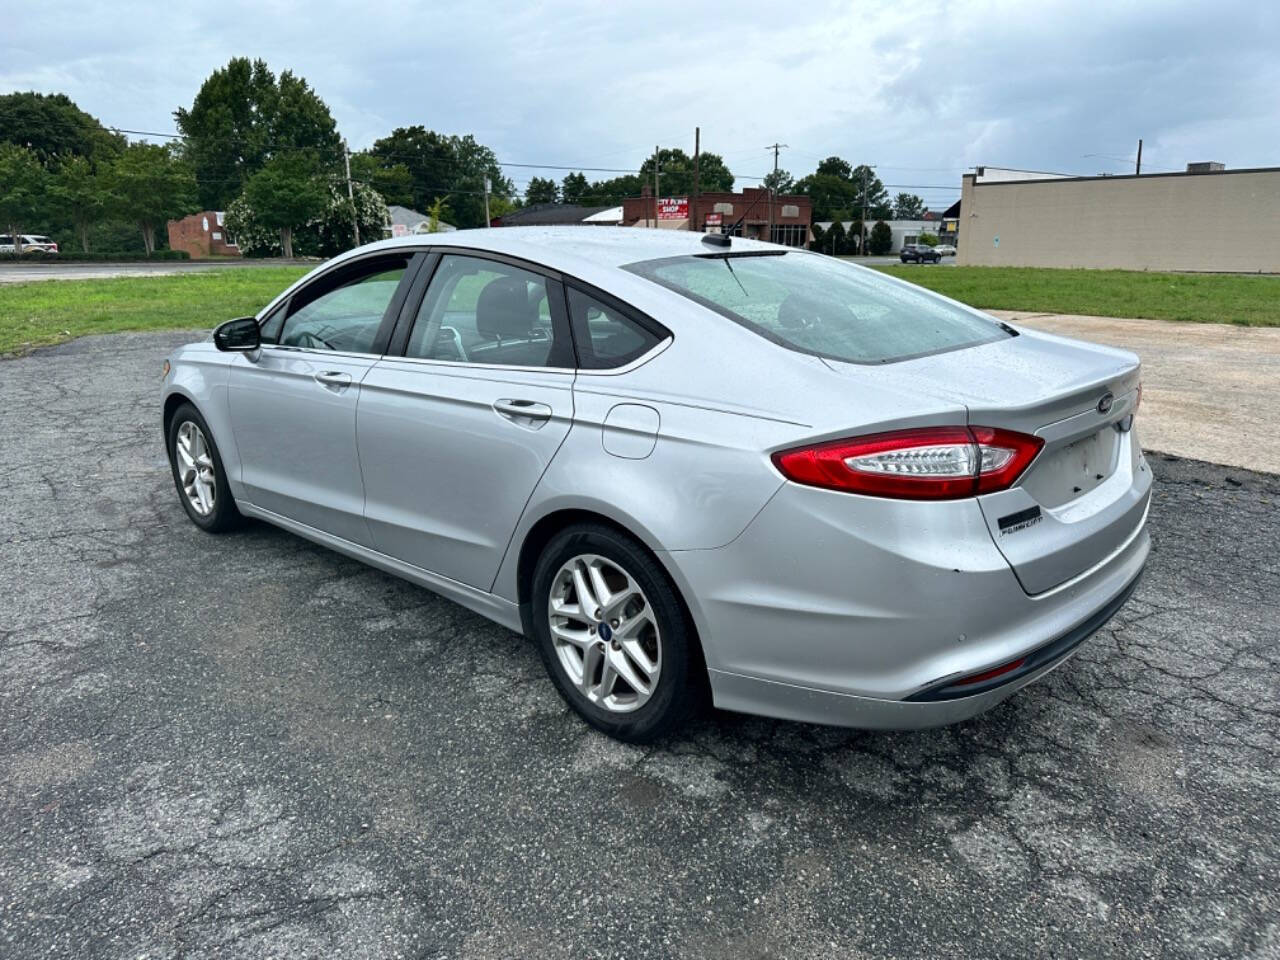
(819, 305)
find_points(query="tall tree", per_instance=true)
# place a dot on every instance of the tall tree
(23, 190)
(149, 185)
(243, 116)
(444, 167)
(574, 188)
(284, 195)
(675, 170)
(907, 206)
(838, 191)
(541, 190)
(53, 128)
(780, 181)
(392, 180)
(79, 195)
(615, 190)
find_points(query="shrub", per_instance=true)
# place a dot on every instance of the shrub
(881, 240)
(39, 256)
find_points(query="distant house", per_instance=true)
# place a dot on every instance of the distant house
(549, 214)
(404, 222)
(203, 234)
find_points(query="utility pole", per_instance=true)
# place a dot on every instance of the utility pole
(487, 222)
(693, 201)
(351, 195)
(775, 147)
(862, 240)
(657, 162)
(1139, 167)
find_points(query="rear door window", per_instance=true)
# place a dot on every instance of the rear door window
(605, 336)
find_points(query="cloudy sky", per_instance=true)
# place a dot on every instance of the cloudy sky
(922, 90)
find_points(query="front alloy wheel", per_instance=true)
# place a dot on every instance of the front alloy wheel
(195, 468)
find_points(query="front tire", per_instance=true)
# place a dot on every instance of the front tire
(613, 634)
(198, 473)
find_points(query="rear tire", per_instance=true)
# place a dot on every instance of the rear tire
(626, 659)
(198, 474)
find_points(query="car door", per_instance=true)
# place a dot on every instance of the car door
(456, 431)
(293, 406)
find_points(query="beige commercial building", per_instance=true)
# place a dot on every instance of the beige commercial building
(1205, 219)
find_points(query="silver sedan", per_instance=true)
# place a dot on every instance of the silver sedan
(687, 467)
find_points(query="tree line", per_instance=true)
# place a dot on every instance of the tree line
(266, 149)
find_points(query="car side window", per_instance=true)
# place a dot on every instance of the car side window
(342, 313)
(484, 311)
(605, 336)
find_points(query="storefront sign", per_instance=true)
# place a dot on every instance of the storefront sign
(673, 208)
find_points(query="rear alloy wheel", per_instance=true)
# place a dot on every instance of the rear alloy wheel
(198, 473)
(615, 638)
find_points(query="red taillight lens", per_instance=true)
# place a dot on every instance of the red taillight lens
(930, 463)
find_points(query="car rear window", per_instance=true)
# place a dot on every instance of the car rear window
(819, 305)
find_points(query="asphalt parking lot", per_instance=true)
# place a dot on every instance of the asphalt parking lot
(249, 746)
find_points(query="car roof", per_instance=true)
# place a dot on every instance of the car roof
(563, 247)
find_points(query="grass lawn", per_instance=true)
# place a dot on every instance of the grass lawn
(1248, 300)
(50, 311)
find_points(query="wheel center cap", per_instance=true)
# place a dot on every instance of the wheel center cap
(605, 632)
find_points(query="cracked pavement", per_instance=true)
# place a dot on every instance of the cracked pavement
(249, 746)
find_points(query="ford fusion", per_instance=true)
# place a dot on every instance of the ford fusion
(686, 466)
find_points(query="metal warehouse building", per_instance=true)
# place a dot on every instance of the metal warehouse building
(1207, 218)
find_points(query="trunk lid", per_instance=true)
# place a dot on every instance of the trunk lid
(1085, 495)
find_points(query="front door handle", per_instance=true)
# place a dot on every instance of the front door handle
(523, 412)
(334, 379)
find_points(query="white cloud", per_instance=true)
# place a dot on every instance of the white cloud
(923, 90)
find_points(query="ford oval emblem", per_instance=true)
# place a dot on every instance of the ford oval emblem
(1105, 404)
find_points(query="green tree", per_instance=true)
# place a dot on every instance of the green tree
(819, 236)
(907, 206)
(541, 190)
(23, 190)
(836, 239)
(53, 128)
(393, 181)
(780, 181)
(881, 240)
(284, 195)
(928, 239)
(837, 188)
(242, 116)
(574, 187)
(433, 216)
(614, 190)
(149, 185)
(78, 195)
(675, 169)
(449, 167)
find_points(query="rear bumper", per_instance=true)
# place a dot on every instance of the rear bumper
(838, 609)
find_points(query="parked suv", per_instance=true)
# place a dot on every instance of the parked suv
(31, 242)
(919, 253)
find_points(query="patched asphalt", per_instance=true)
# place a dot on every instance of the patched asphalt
(248, 746)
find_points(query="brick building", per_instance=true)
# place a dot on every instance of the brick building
(791, 215)
(203, 235)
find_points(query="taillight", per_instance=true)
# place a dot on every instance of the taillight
(929, 463)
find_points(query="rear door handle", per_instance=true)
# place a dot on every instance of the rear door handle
(333, 378)
(524, 412)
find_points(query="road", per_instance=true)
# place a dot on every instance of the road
(27, 272)
(249, 746)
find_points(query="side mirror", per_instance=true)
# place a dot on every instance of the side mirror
(239, 336)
